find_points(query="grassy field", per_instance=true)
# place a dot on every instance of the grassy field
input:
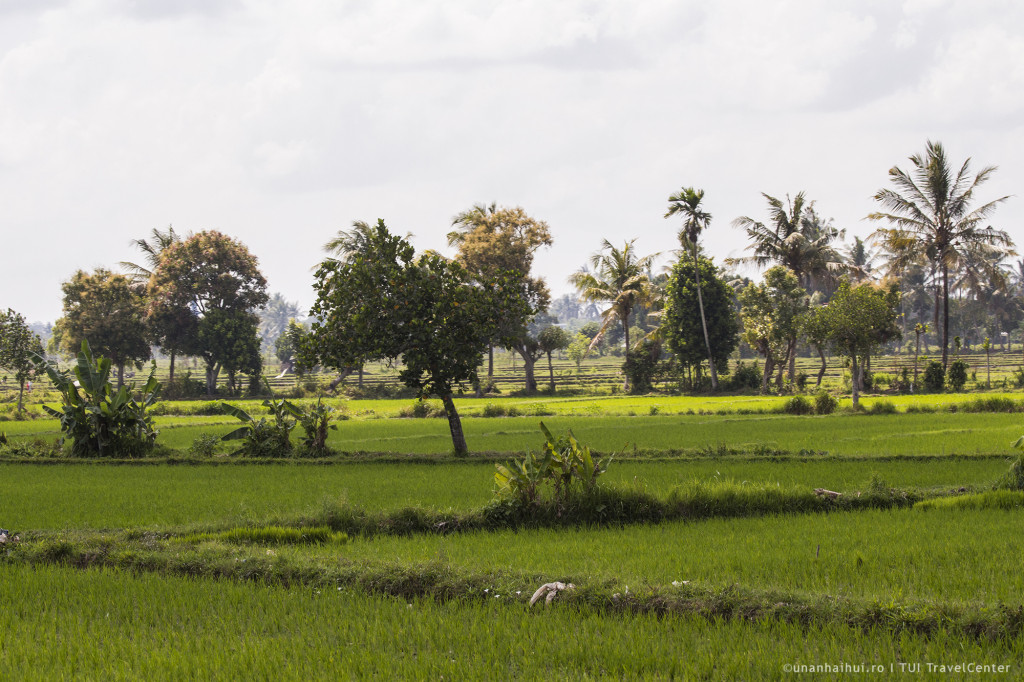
(87, 496)
(941, 433)
(122, 626)
(83, 596)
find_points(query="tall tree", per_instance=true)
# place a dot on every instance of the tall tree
(551, 339)
(151, 249)
(686, 203)
(492, 240)
(795, 237)
(210, 273)
(688, 329)
(619, 278)
(856, 322)
(427, 311)
(107, 310)
(169, 331)
(274, 317)
(18, 348)
(930, 216)
(771, 313)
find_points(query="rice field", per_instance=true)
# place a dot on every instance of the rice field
(59, 496)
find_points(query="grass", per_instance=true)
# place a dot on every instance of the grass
(941, 433)
(88, 496)
(960, 556)
(102, 624)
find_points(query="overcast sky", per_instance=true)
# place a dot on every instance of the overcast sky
(280, 123)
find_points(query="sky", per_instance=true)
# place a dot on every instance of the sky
(279, 123)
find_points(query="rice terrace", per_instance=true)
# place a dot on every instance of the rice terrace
(338, 421)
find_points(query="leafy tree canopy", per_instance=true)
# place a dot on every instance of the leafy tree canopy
(682, 321)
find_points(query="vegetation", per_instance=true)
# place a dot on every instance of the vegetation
(99, 421)
(18, 347)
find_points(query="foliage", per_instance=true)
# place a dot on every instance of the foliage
(934, 377)
(567, 465)
(745, 376)
(825, 403)
(549, 340)
(100, 421)
(682, 323)
(107, 310)
(315, 422)
(857, 321)
(210, 284)
(18, 347)
(264, 438)
(577, 350)
(796, 238)
(931, 219)
(619, 278)
(957, 374)
(798, 405)
(641, 366)
(770, 313)
(386, 304)
(205, 445)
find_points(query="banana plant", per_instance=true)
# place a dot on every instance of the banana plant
(100, 421)
(264, 438)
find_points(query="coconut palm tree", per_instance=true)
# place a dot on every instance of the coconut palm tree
(140, 274)
(348, 244)
(619, 278)
(797, 238)
(686, 203)
(930, 216)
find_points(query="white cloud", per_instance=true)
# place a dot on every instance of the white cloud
(280, 123)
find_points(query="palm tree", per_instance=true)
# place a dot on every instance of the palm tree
(798, 239)
(931, 217)
(695, 220)
(860, 260)
(348, 244)
(618, 277)
(469, 220)
(140, 274)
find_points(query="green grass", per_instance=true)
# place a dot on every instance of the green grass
(96, 496)
(100, 624)
(960, 556)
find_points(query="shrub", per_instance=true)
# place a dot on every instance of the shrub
(492, 410)
(1018, 378)
(957, 374)
(801, 381)
(421, 409)
(824, 403)
(934, 377)
(798, 405)
(745, 377)
(642, 365)
(264, 438)
(882, 407)
(880, 379)
(315, 422)
(204, 446)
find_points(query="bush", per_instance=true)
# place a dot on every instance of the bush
(745, 377)
(881, 379)
(824, 403)
(642, 365)
(264, 438)
(421, 409)
(958, 374)
(934, 377)
(882, 407)
(315, 422)
(492, 410)
(798, 405)
(204, 446)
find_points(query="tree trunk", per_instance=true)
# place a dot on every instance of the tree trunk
(917, 354)
(792, 360)
(490, 364)
(170, 380)
(625, 331)
(769, 366)
(853, 378)
(528, 363)
(945, 316)
(212, 371)
(360, 375)
(455, 426)
(551, 373)
(704, 322)
(824, 365)
(21, 396)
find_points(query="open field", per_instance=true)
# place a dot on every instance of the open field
(109, 561)
(124, 626)
(61, 496)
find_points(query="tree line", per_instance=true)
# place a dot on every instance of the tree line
(202, 295)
